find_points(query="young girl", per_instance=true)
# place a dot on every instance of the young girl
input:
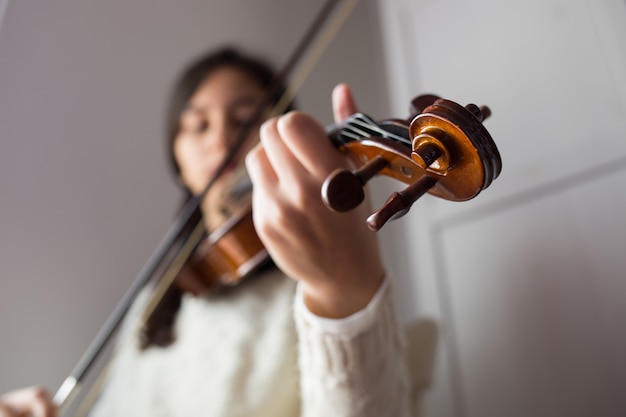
(317, 335)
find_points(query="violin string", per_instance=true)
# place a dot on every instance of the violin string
(358, 128)
(384, 133)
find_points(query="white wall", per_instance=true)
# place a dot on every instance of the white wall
(527, 281)
(84, 192)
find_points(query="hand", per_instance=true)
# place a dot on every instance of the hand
(334, 255)
(27, 402)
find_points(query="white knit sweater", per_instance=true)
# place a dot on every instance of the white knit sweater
(240, 354)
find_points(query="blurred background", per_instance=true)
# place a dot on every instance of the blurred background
(526, 283)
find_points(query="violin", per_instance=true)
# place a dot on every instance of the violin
(443, 149)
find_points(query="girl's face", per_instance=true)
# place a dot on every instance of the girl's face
(223, 103)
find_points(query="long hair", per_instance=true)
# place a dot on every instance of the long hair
(194, 76)
(158, 329)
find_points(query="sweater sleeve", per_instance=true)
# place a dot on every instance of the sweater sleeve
(356, 366)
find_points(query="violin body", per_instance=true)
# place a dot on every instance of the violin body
(230, 253)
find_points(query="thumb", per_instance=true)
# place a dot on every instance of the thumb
(343, 102)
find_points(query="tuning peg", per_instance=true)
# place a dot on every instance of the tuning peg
(481, 113)
(419, 103)
(400, 202)
(343, 190)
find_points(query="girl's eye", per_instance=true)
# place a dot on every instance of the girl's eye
(193, 123)
(201, 126)
(243, 112)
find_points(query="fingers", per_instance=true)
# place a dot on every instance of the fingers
(343, 103)
(294, 142)
(32, 401)
(306, 240)
(260, 169)
(297, 144)
(266, 195)
(278, 153)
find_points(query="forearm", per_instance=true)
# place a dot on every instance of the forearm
(355, 366)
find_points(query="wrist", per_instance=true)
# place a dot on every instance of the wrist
(336, 301)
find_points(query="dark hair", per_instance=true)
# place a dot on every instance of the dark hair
(158, 328)
(194, 76)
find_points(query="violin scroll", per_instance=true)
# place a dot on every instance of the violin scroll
(445, 150)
